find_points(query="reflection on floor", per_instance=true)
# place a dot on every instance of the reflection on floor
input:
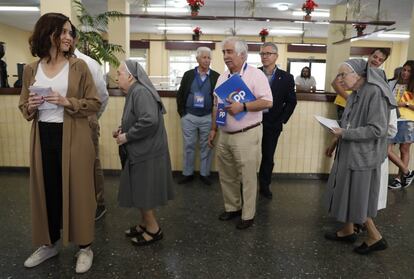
(286, 240)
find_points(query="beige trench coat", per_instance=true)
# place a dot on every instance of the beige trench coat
(78, 157)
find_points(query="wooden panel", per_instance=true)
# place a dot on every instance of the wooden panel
(362, 51)
(187, 45)
(139, 44)
(308, 49)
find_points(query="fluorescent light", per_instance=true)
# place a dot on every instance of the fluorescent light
(286, 31)
(318, 45)
(394, 35)
(303, 21)
(174, 28)
(19, 8)
(282, 6)
(314, 13)
(166, 10)
(300, 44)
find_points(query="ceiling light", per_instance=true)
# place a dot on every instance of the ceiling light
(19, 8)
(300, 44)
(174, 28)
(394, 35)
(282, 6)
(286, 31)
(314, 13)
(166, 10)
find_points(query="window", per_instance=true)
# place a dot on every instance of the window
(140, 55)
(317, 66)
(180, 61)
(253, 59)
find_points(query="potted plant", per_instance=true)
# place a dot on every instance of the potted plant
(196, 33)
(360, 28)
(90, 33)
(308, 8)
(195, 6)
(263, 34)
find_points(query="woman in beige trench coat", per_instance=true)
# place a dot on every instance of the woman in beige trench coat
(61, 149)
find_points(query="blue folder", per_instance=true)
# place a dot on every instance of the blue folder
(235, 89)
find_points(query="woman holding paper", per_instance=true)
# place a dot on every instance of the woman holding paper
(62, 153)
(361, 143)
(403, 89)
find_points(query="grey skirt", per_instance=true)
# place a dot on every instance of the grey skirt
(147, 184)
(352, 196)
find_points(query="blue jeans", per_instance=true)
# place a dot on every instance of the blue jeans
(196, 127)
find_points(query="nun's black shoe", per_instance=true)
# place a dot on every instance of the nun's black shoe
(364, 249)
(351, 238)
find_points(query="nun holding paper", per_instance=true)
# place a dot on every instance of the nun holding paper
(146, 179)
(361, 146)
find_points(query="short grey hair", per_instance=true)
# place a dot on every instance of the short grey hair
(272, 45)
(240, 45)
(202, 49)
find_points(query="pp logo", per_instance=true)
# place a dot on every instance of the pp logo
(237, 95)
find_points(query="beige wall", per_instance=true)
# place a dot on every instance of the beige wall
(300, 150)
(17, 49)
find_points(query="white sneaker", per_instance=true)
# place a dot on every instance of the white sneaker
(85, 258)
(40, 255)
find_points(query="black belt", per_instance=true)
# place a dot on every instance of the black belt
(244, 129)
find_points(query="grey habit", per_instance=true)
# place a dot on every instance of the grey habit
(353, 184)
(146, 178)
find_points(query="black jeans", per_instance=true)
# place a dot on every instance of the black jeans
(269, 142)
(51, 147)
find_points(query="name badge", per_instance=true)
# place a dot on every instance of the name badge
(221, 115)
(198, 100)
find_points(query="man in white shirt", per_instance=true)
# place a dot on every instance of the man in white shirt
(100, 83)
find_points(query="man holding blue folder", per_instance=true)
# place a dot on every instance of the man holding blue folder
(239, 145)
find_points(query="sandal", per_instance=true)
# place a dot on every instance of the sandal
(139, 240)
(133, 232)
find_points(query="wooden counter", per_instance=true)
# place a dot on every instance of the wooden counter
(316, 97)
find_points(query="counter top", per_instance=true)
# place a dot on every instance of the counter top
(316, 97)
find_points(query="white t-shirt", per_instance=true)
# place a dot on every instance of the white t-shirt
(305, 83)
(98, 79)
(59, 84)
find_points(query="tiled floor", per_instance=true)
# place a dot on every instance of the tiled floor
(286, 240)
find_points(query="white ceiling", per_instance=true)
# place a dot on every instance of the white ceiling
(393, 10)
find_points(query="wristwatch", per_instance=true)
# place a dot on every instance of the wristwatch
(244, 107)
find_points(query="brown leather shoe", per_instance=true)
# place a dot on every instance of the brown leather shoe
(244, 224)
(228, 215)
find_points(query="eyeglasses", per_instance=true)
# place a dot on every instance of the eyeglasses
(343, 75)
(266, 54)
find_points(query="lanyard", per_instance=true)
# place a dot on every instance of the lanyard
(273, 75)
(244, 68)
(200, 82)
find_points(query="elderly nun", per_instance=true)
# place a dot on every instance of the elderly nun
(146, 179)
(361, 147)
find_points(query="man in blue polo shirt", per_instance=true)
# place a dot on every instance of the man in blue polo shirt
(194, 105)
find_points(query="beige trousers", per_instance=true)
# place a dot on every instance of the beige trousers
(99, 178)
(238, 161)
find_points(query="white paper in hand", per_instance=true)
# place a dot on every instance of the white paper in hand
(327, 123)
(43, 91)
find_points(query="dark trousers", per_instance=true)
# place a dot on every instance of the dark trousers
(269, 142)
(51, 146)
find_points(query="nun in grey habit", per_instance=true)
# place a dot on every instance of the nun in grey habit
(361, 147)
(146, 178)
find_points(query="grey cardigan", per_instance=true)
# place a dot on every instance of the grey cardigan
(143, 123)
(365, 121)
